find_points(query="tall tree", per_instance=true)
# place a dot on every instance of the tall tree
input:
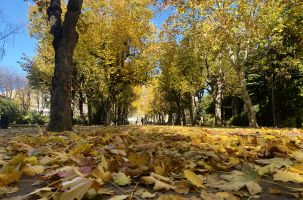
(64, 42)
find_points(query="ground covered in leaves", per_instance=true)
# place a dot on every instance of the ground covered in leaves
(151, 162)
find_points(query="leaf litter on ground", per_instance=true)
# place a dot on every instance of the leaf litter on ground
(154, 162)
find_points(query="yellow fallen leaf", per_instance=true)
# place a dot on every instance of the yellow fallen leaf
(175, 197)
(159, 185)
(286, 176)
(101, 175)
(118, 152)
(209, 196)
(91, 193)
(253, 188)
(40, 192)
(121, 179)
(75, 189)
(147, 195)
(296, 168)
(140, 159)
(30, 170)
(47, 160)
(227, 196)
(11, 176)
(32, 160)
(120, 197)
(233, 161)
(193, 178)
(8, 190)
(298, 155)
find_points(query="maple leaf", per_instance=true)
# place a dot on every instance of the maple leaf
(121, 179)
(237, 180)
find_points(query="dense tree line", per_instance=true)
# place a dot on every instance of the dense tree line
(235, 58)
(224, 49)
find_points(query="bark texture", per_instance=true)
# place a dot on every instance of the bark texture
(64, 42)
(218, 98)
(246, 98)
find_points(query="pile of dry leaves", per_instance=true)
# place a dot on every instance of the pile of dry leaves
(154, 162)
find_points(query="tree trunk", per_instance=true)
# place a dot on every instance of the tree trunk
(64, 42)
(218, 96)
(81, 102)
(191, 109)
(170, 117)
(246, 98)
(89, 112)
(273, 99)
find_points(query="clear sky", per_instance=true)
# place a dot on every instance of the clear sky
(16, 11)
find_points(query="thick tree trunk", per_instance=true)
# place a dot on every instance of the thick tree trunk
(64, 42)
(246, 98)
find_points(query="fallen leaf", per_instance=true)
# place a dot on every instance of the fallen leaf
(209, 196)
(253, 188)
(120, 197)
(286, 176)
(296, 168)
(75, 189)
(121, 179)
(298, 155)
(118, 152)
(30, 170)
(193, 178)
(140, 159)
(144, 194)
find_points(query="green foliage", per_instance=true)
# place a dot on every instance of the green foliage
(239, 120)
(38, 118)
(11, 108)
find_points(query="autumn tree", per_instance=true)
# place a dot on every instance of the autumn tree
(65, 38)
(112, 56)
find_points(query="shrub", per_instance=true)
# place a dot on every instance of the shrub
(11, 108)
(33, 117)
(239, 120)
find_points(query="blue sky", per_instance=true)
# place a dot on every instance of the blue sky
(16, 11)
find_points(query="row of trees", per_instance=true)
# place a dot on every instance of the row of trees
(250, 49)
(111, 57)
